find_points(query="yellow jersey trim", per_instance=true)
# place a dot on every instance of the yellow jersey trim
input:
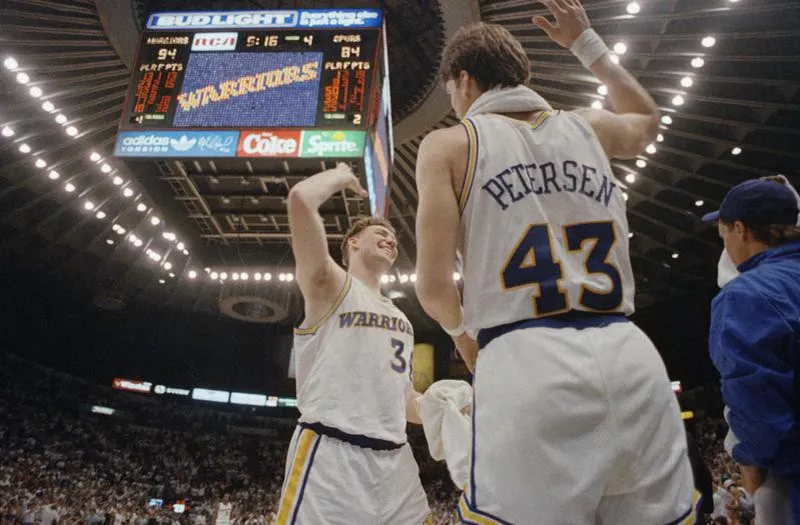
(472, 163)
(311, 330)
(300, 464)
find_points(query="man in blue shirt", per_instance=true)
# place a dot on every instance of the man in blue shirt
(754, 343)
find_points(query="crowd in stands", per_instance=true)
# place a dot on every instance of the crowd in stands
(61, 463)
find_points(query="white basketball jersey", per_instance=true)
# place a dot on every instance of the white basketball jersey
(543, 225)
(224, 513)
(354, 366)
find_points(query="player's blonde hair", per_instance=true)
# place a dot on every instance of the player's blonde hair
(489, 53)
(360, 225)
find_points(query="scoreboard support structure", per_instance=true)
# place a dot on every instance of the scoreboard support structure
(289, 89)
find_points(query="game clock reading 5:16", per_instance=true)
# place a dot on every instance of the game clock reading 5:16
(275, 40)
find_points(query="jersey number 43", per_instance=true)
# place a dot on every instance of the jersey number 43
(534, 263)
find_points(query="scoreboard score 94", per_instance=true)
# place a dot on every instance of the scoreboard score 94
(255, 69)
(282, 84)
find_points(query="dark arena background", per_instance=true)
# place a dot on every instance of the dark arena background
(146, 277)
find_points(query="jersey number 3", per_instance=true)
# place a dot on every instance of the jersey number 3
(533, 263)
(400, 364)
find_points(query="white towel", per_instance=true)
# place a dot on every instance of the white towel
(518, 99)
(447, 427)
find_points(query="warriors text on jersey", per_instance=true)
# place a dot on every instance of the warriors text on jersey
(354, 366)
(543, 225)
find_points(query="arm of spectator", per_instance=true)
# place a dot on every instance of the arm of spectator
(757, 382)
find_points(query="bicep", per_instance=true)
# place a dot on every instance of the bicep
(621, 136)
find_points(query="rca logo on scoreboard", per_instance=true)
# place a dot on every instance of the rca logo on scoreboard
(215, 41)
(272, 143)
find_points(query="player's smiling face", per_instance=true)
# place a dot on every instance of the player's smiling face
(378, 241)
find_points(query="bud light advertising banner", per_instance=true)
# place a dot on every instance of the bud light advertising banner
(237, 90)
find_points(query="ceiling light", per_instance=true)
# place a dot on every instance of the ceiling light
(138, 243)
(61, 119)
(105, 168)
(162, 281)
(155, 221)
(597, 104)
(736, 151)
(24, 148)
(614, 58)
(118, 181)
(633, 8)
(48, 106)
(192, 274)
(171, 275)
(186, 252)
(101, 215)
(289, 277)
(698, 203)
(687, 82)
(708, 41)
(602, 89)
(257, 276)
(54, 175)
(660, 138)
(72, 131)
(630, 178)
(267, 276)
(384, 279)
(36, 92)
(675, 255)
(392, 278)
(127, 192)
(180, 246)
(244, 276)
(168, 266)
(620, 48)
(7, 132)
(214, 275)
(678, 101)
(109, 241)
(651, 149)
(69, 187)
(641, 163)
(403, 278)
(630, 235)
(88, 205)
(223, 276)
(23, 78)
(168, 236)
(412, 277)
(94, 157)
(666, 119)
(41, 164)
(235, 276)
(625, 196)
(698, 62)
(141, 207)
(456, 276)
(11, 63)
(121, 230)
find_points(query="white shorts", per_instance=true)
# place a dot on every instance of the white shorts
(331, 482)
(576, 427)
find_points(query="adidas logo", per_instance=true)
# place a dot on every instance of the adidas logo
(182, 144)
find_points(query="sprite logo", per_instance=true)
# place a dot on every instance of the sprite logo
(333, 144)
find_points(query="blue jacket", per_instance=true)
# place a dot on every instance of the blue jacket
(755, 345)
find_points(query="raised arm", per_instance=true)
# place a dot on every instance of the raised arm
(319, 277)
(634, 124)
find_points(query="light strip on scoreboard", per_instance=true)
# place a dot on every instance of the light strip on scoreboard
(217, 396)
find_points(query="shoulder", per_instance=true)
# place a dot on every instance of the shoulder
(454, 136)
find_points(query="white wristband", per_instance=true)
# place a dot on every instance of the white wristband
(589, 48)
(457, 331)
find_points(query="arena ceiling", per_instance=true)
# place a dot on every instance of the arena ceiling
(723, 72)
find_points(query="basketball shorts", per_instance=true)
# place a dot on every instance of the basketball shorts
(332, 482)
(576, 427)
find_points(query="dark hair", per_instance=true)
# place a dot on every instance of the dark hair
(772, 234)
(359, 226)
(720, 520)
(489, 53)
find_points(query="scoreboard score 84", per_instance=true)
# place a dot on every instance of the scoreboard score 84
(260, 69)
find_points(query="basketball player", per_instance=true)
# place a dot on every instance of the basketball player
(574, 419)
(224, 511)
(349, 462)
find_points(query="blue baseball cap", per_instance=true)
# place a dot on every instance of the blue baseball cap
(757, 202)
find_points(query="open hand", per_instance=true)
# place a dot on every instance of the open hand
(349, 179)
(571, 21)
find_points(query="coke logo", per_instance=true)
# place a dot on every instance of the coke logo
(270, 144)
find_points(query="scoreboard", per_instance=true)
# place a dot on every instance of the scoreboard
(263, 84)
